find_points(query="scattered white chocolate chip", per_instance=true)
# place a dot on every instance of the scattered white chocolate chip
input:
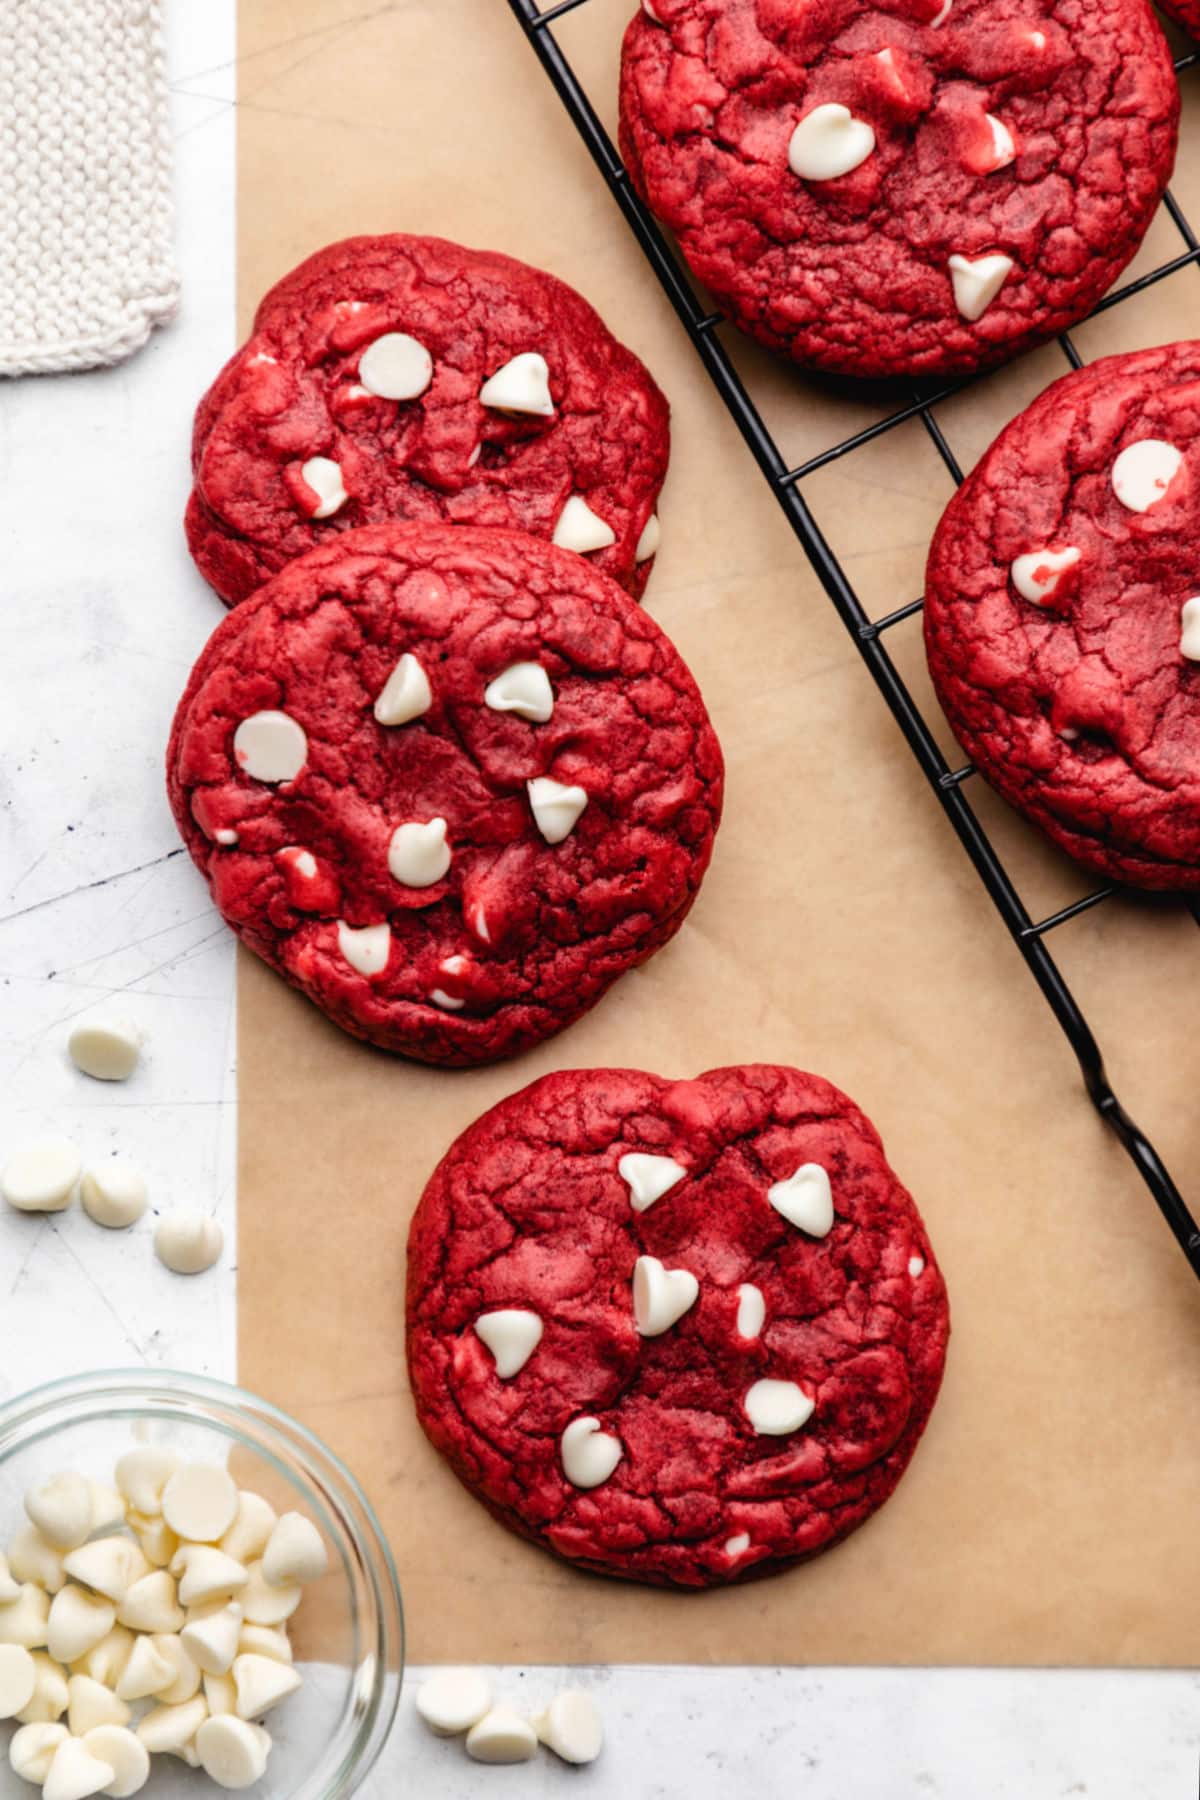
(648, 1177)
(1143, 472)
(146, 1673)
(114, 1195)
(107, 1661)
(752, 1310)
(366, 948)
(23, 1620)
(75, 1773)
(395, 367)
(125, 1753)
(805, 1199)
(261, 1683)
(221, 1694)
(295, 1552)
(250, 1532)
(265, 1604)
(661, 1296)
(232, 1752)
(1004, 150)
(61, 1509)
(589, 1455)
(571, 1727)
(212, 1641)
(150, 1605)
(776, 1408)
(405, 695)
(200, 1502)
(502, 1736)
(18, 1679)
(188, 1242)
(453, 1700)
(650, 540)
(48, 1701)
(977, 280)
(265, 1640)
(270, 746)
(206, 1573)
(418, 854)
(523, 688)
(324, 477)
(1189, 641)
(828, 142)
(448, 1002)
(108, 1507)
(1037, 39)
(648, 9)
(167, 1729)
(41, 1177)
(739, 1542)
(108, 1565)
(107, 1049)
(556, 807)
(942, 15)
(142, 1474)
(580, 529)
(512, 1335)
(77, 1621)
(1037, 574)
(225, 835)
(32, 1750)
(90, 1703)
(521, 386)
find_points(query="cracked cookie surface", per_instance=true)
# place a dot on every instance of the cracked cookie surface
(1079, 697)
(449, 782)
(591, 426)
(535, 1215)
(964, 135)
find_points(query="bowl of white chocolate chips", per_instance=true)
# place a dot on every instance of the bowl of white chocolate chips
(191, 1586)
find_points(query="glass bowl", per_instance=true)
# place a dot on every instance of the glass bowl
(349, 1629)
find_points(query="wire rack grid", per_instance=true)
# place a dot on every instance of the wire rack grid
(869, 635)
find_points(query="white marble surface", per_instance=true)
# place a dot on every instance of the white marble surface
(100, 620)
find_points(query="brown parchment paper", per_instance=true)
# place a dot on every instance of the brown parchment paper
(1049, 1515)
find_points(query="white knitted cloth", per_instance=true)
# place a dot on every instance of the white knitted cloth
(86, 259)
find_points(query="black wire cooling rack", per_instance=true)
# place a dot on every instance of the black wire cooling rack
(869, 635)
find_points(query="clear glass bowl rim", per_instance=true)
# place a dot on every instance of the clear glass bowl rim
(202, 1399)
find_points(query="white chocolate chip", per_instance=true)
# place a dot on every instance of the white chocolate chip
(1143, 473)
(521, 386)
(776, 1408)
(61, 1509)
(108, 1508)
(661, 1296)
(48, 1702)
(448, 1002)
(523, 688)
(977, 280)
(261, 1683)
(502, 1736)
(405, 695)
(32, 1751)
(1004, 150)
(1037, 39)
(265, 1604)
(107, 1662)
(395, 367)
(418, 854)
(169, 1729)
(265, 1640)
(1189, 641)
(828, 142)
(114, 1195)
(453, 1700)
(200, 1502)
(651, 538)
(107, 1049)
(205, 1573)
(512, 1335)
(589, 1455)
(943, 14)
(805, 1199)
(41, 1177)
(231, 1752)
(648, 1177)
(739, 1542)
(188, 1242)
(324, 477)
(185, 1680)
(366, 949)
(77, 1622)
(1037, 574)
(212, 1641)
(146, 1673)
(250, 1532)
(556, 807)
(571, 1727)
(18, 1679)
(226, 835)
(270, 746)
(90, 1704)
(752, 1310)
(109, 1566)
(580, 529)
(142, 1474)
(127, 1755)
(221, 1694)
(150, 1605)
(75, 1773)
(648, 9)
(23, 1620)
(10, 1589)
(916, 1266)
(295, 1552)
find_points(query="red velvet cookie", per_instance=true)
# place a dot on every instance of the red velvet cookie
(677, 1331)
(405, 378)
(902, 187)
(1062, 619)
(450, 783)
(1184, 12)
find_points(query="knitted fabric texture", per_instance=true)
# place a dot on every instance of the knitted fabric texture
(86, 259)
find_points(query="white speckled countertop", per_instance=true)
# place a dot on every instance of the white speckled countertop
(102, 617)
